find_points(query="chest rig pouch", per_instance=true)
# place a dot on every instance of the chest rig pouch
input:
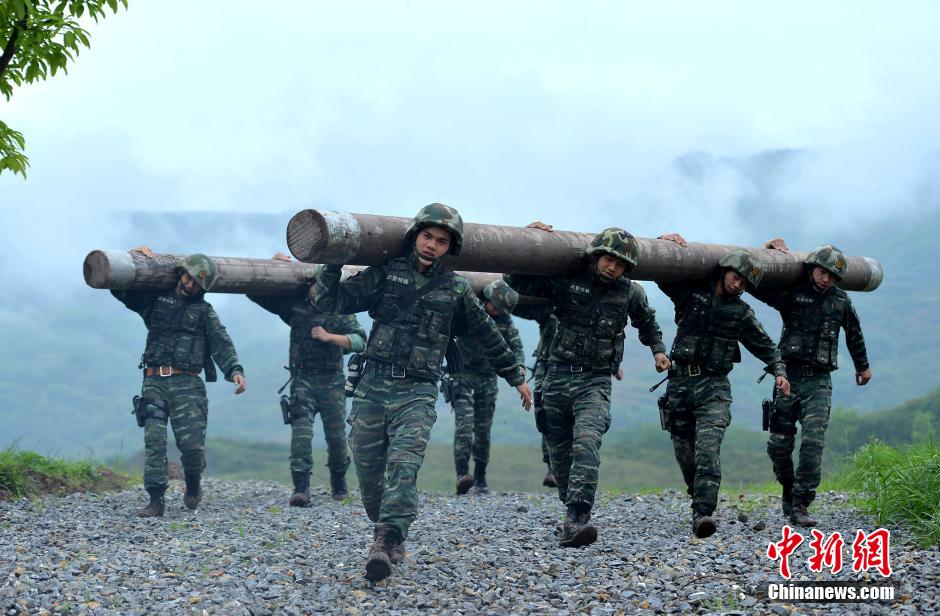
(591, 322)
(708, 333)
(176, 333)
(411, 327)
(307, 353)
(811, 327)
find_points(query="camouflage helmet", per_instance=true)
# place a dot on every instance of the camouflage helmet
(203, 270)
(438, 215)
(503, 297)
(830, 259)
(615, 242)
(744, 263)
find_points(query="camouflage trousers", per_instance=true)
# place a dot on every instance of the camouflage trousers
(699, 413)
(391, 423)
(541, 367)
(808, 403)
(318, 393)
(577, 414)
(473, 397)
(188, 414)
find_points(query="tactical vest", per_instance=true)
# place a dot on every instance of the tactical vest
(474, 359)
(176, 333)
(591, 322)
(811, 327)
(306, 353)
(417, 338)
(708, 330)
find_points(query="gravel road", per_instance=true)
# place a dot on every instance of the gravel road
(245, 552)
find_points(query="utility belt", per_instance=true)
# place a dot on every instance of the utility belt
(555, 366)
(166, 371)
(678, 369)
(801, 369)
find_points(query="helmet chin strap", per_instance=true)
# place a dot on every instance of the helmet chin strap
(424, 259)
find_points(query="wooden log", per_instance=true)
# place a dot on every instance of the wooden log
(324, 236)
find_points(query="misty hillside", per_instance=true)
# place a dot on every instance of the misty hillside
(70, 360)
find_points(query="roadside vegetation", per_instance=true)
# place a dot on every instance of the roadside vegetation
(28, 474)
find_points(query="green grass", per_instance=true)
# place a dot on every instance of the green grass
(900, 486)
(29, 474)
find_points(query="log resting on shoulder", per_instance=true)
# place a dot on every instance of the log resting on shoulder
(322, 236)
(120, 269)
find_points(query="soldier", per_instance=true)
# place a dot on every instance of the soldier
(416, 306)
(317, 344)
(712, 319)
(548, 323)
(593, 308)
(813, 311)
(473, 390)
(184, 337)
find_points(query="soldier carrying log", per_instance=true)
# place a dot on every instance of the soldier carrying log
(417, 307)
(184, 337)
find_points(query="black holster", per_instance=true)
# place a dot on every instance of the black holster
(663, 403)
(539, 411)
(767, 413)
(354, 370)
(145, 408)
(447, 389)
(287, 412)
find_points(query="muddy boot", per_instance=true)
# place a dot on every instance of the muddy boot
(193, 495)
(786, 499)
(301, 495)
(464, 479)
(801, 517)
(549, 481)
(379, 565)
(479, 478)
(703, 524)
(156, 506)
(577, 530)
(338, 485)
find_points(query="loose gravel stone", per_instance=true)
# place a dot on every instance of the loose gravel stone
(245, 552)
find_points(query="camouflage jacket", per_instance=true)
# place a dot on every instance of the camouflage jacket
(182, 332)
(306, 352)
(474, 359)
(811, 323)
(710, 328)
(416, 337)
(547, 322)
(592, 316)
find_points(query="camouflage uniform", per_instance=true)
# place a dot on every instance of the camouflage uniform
(809, 345)
(393, 408)
(183, 333)
(473, 398)
(699, 394)
(586, 350)
(317, 381)
(548, 324)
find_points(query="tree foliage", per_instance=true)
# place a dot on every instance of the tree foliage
(39, 38)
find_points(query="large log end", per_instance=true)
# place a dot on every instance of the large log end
(322, 236)
(109, 269)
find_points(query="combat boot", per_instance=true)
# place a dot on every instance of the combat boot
(379, 565)
(703, 524)
(465, 481)
(786, 498)
(396, 553)
(156, 506)
(193, 495)
(576, 530)
(800, 516)
(338, 485)
(479, 478)
(549, 481)
(301, 495)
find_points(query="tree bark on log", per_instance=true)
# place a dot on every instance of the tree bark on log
(322, 236)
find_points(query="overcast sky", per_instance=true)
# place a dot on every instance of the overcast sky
(651, 116)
